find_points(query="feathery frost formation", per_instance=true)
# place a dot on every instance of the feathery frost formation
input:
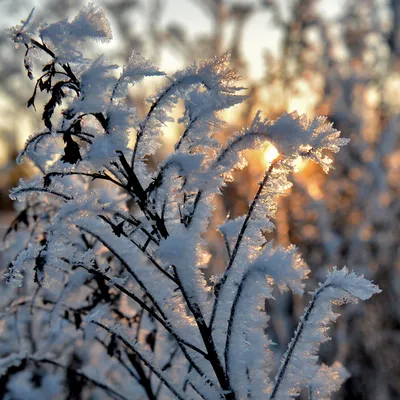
(107, 289)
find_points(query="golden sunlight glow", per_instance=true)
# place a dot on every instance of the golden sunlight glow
(314, 191)
(170, 134)
(305, 96)
(25, 127)
(270, 154)
(3, 154)
(299, 164)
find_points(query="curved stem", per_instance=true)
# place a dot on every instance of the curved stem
(187, 80)
(240, 237)
(35, 139)
(142, 249)
(90, 175)
(143, 359)
(166, 323)
(287, 357)
(229, 148)
(142, 128)
(185, 133)
(231, 321)
(162, 318)
(94, 382)
(208, 341)
(44, 190)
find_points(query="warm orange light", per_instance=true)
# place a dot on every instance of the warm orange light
(299, 164)
(314, 191)
(270, 154)
(3, 154)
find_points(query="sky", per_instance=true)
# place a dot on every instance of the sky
(259, 34)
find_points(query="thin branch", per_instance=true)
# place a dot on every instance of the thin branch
(143, 379)
(133, 221)
(143, 249)
(94, 176)
(26, 302)
(144, 123)
(231, 321)
(35, 139)
(140, 193)
(145, 361)
(230, 147)
(166, 366)
(185, 133)
(191, 79)
(208, 341)
(240, 237)
(287, 356)
(93, 381)
(143, 305)
(163, 319)
(227, 246)
(198, 391)
(43, 190)
(186, 382)
(182, 343)
(43, 47)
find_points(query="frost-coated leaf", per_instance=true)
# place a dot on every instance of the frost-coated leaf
(284, 266)
(292, 134)
(67, 37)
(299, 363)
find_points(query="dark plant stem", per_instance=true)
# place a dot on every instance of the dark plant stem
(231, 322)
(208, 341)
(221, 283)
(43, 190)
(142, 128)
(166, 366)
(189, 80)
(143, 359)
(165, 322)
(294, 341)
(143, 379)
(162, 319)
(94, 176)
(185, 133)
(94, 382)
(142, 201)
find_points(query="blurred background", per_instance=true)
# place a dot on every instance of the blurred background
(336, 58)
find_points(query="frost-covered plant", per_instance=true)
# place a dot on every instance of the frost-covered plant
(108, 293)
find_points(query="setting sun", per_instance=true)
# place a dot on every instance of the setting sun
(270, 154)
